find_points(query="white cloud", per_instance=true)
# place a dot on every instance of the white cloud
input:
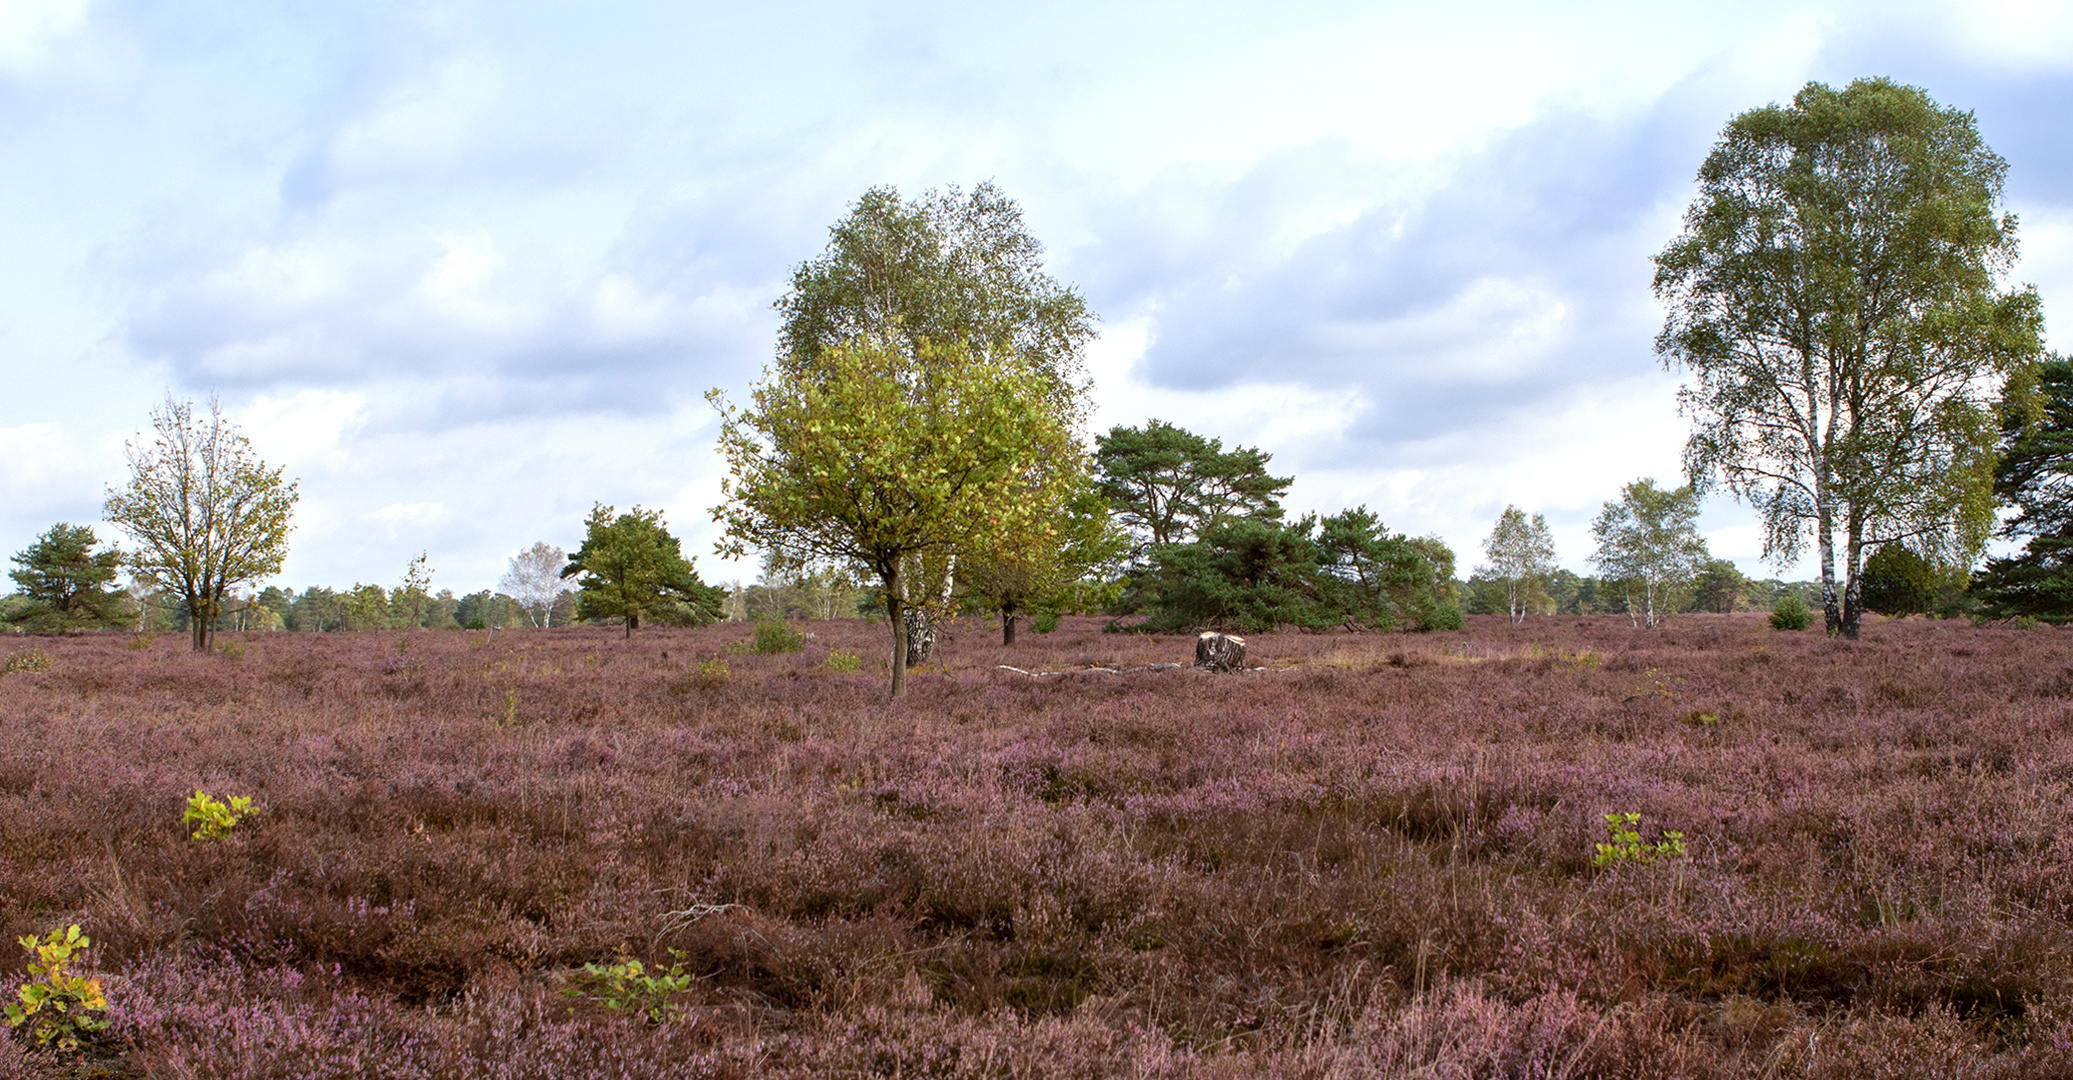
(30, 31)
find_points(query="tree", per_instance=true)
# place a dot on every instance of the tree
(1029, 578)
(956, 271)
(1649, 541)
(875, 458)
(1898, 582)
(2034, 475)
(1835, 299)
(411, 597)
(1251, 574)
(1719, 587)
(534, 580)
(205, 512)
(1521, 556)
(66, 583)
(1169, 485)
(632, 569)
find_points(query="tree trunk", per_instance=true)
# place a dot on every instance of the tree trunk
(632, 621)
(1824, 517)
(198, 628)
(1007, 624)
(1853, 587)
(894, 619)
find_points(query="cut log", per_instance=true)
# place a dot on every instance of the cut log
(1220, 652)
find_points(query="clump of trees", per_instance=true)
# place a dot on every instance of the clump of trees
(1210, 546)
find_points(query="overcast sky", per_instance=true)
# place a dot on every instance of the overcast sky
(467, 268)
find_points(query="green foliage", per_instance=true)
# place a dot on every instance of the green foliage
(955, 270)
(1045, 622)
(1791, 613)
(205, 512)
(627, 986)
(1346, 570)
(882, 460)
(58, 1005)
(1896, 582)
(933, 317)
(633, 569)
(844, 661)
(142, 642)
(1835, 298)
(1649, 543)
(2034, 475)
(213, 819)
(775, 636)
(33, 660)
(1627, 846)
(66, 584)
(1521, 559)
(1049, 578)
(1170, 486)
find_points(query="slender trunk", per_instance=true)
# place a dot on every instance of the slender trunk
(632, 621)
(1824, 518)
(1008, 624)
(1853, 588)
(198, 627)
(895, 619)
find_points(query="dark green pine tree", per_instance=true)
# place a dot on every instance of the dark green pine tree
(66, 583)
(2035, 476)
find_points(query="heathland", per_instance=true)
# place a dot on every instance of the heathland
(1379, 855)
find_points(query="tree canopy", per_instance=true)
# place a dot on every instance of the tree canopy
(1648, 542)
(2034, 475)
(948, 268)
(949, 273)
(1250, 574)
(1520, 557)
(66, 583)
(205, 511)
(1169, 485)
(633, 569)
(873, 456)
(1836, 300)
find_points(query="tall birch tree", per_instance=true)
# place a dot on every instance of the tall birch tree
(1837, 302)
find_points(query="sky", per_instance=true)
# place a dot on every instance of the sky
(466, 269)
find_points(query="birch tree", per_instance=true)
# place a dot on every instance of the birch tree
(1649, 544)
(1837, 301)
(1521, 557)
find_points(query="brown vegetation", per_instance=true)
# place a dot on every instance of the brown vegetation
(1375, 857)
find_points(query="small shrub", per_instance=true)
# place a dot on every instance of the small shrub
(232, 649)
(33, 660)
(213, 820)
(1791, 613)
(626, 986)
(2026, 622)
(142, 642)
(1439, 617)
(59, 1004)
(711, 675)
(844, 661)
(774, 637)
(1627, 846)
(1044, 622)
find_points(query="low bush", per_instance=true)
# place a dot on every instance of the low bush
(1791, 613)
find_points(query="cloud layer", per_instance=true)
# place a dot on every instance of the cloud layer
(468, 270)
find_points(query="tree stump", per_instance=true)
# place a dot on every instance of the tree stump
(1220, 652)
